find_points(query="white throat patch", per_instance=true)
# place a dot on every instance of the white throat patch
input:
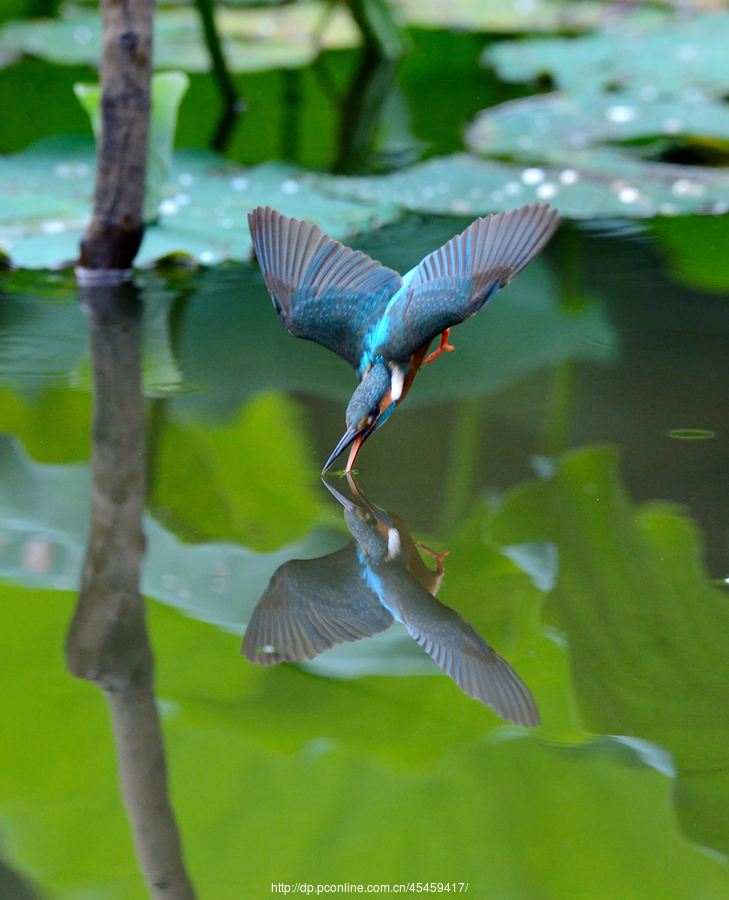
(393, 543)
(397, 379)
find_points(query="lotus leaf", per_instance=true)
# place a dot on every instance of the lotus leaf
(648, 54)
(279, 36)
(569, 131)
(561, 125)
(253, 39)
(644, 78)
(501, 16)
(168, 89)
(594, 183)
(46, 197)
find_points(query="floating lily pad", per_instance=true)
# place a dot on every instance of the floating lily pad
(45, 204)
(253, 39)
(555, 126)
(647, 53)
(562, 136)
(283, 35)
(168, 89)
(502, 16)
(595, 183)
(646, 79)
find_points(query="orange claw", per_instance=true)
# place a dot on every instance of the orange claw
(438, 557)
(444, 345)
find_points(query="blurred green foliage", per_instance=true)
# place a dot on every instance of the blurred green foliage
(644, 628)
(250, 480)
(695, 250)
(407, 767)
(28, 9)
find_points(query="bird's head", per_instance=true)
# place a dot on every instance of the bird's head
(373, 401)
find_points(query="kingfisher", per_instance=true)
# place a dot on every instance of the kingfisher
(383, 323)
(379, 578)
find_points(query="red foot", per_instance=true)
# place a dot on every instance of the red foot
(438, 557)
(444, 345)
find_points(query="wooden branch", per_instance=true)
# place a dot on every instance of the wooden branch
(115, 233)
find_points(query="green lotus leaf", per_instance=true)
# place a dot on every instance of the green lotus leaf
(46, 192)
(580, 183)
(168, 89)
(570, 144)
(501, 16)
(647, 53)
(272, 37)
(562, 125)
(643, 87)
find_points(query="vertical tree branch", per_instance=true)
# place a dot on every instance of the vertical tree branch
(115, 233)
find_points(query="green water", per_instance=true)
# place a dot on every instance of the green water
(588, 545)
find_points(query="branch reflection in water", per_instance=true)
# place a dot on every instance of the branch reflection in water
(108, 642)
(379, 578)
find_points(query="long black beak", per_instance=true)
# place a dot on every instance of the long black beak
(352, 435)
(349, 435)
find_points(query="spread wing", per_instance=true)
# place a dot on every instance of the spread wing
(322, 290)
(456, 281)
(464, 655)
(311, 605)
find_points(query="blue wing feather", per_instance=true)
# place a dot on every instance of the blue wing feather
(322, 291)
(453, 283)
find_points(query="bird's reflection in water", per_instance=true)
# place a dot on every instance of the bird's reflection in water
(379, 578)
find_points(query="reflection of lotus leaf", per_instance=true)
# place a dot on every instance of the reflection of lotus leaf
(43, 527)
(255, 754)
(647, 632)
(231, 344)
(44, 522)
(47, 191)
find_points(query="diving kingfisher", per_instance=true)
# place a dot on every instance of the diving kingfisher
(383, 323)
